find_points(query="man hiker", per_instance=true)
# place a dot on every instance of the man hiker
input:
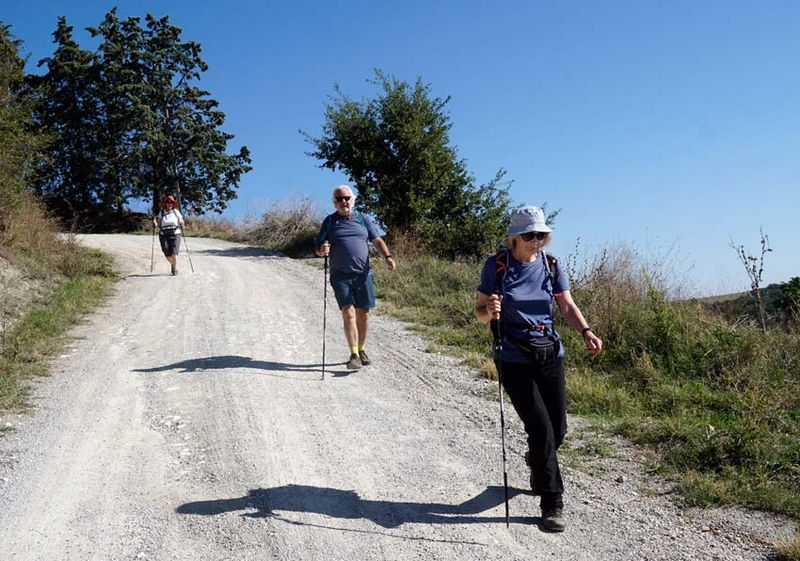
(345, 235)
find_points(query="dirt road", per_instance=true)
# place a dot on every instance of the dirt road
(188, 421)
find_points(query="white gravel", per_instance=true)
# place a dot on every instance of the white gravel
(188, 420)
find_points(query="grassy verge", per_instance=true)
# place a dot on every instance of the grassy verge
(41, 332)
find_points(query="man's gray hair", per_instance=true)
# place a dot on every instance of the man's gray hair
(339, 187)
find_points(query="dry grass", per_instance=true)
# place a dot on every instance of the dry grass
(27, 235)
(789, 549)
(214, 227)
(289, 227)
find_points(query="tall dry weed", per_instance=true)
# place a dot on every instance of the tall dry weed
(406, 246)
(28, 235)
(214, 227)
(289, 227)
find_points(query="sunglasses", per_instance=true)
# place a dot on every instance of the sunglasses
(340, 199)
(530, 236)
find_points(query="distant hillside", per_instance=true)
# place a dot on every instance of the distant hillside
(740, 304)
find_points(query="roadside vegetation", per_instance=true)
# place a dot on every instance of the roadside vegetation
(47, 282)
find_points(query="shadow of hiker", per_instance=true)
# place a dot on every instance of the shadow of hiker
(234, 361)
(338, 503)
(239, 251)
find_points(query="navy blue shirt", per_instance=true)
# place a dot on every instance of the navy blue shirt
(527, 301)
(348, 236)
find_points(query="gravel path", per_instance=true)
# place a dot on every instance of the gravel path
(188, 421)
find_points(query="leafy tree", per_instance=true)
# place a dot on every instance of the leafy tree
(179, 146)
(19, 147)
(14, 115)
(789, 300)
(117, 61)
(396, 150)
(68, 109)
(132, 121)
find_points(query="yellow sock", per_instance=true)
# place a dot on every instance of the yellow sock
(353, 350)
(360, 348)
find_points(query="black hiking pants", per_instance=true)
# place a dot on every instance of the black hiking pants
(538, 393)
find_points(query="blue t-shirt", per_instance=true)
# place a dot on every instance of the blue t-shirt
(527, 298)
(348, 236)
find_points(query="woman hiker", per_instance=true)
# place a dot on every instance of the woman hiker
(519, 286)
(169, 222)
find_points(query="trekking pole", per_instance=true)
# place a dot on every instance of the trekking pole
(187, 251)
(498, 348)
(152, 248)
(180, 204)
(324, 312)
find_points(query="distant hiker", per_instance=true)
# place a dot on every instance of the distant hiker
(169, 222)
(520, 284)
(345, 235)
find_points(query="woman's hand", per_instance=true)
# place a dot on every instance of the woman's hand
(494, 305)
(593, 343)
(487, 307)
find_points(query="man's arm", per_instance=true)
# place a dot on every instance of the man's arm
(322, 247)
(383, 249)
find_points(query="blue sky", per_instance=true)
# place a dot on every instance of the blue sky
(672, 127)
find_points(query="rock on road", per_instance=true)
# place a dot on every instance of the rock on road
(188, 420)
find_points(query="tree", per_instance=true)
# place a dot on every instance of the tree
(14, 118)
(21, 219)
(789, 300)
(118, 143)
(755, 272)
(180, 147)
(67, 108)
(396, 150)
(145, 128)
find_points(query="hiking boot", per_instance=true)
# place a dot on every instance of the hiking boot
(365, 361)
(354, 363)
(174, 270)
(553, 519)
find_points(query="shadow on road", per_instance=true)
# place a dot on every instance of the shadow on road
(239, 251)
(337, 503)
(234, 361)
